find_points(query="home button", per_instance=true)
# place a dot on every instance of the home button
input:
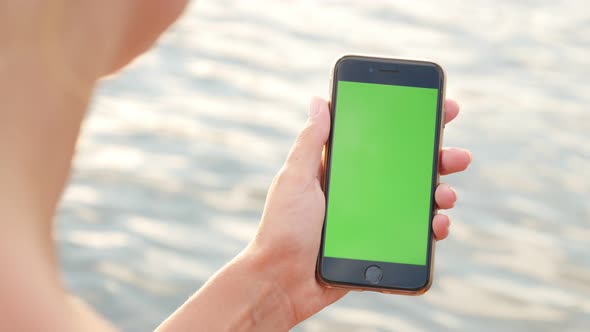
(373, 274)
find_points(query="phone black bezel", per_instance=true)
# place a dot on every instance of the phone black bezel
(403, 278)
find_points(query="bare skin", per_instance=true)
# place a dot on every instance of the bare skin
(52, 53)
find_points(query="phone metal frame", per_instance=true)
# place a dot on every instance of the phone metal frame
(436, 163)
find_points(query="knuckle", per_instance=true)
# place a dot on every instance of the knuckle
(305, 133)
(289, 177)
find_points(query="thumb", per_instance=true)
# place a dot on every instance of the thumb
(306, 154)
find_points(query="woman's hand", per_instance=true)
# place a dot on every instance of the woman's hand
(272, 286)
(288, 239)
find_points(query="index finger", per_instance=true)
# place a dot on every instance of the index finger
(451, 110)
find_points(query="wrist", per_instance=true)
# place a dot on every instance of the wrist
(242, 296)
(270, 307)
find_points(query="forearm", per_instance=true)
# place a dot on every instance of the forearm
(240, 297)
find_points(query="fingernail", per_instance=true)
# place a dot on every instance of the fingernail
(469, 154)
(314, 107)
(454, 193)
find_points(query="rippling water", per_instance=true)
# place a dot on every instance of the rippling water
(176, 156)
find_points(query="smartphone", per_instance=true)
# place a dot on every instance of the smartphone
(381, 171)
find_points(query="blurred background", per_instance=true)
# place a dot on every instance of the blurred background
(179, 149)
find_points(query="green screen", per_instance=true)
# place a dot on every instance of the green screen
(381, 173)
